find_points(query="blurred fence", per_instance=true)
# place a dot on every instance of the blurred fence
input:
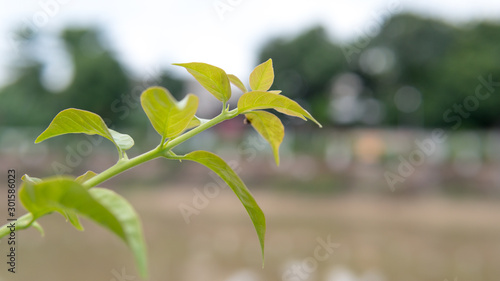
(390, 161)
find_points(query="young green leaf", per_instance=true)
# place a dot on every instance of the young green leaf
(262, 100)
(168, 117)
(212, 78)
(38, 227)
(221, 168)
(25, 177)
(262, 77)
(72, 217)
(123, 141)
(270, 128)
(276, 92)
(74, 121)
(129, 222)
(195, 122)
(64, 194)
(27, 221)
(237, 82)
(85, 177)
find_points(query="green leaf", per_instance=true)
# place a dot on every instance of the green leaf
(25, 177)
(27, 221)
(262, 100)
(65, 195)
(270, 128)
(72, 217)
(276, 92)
(85, 177)
(212, 78)
(262, 77)
(38, 227)
(124, 141)
(74, 121)
(168, 117)
(195, 122)
(237, 82)
(221, 168)
(129, 221)
(61, 194)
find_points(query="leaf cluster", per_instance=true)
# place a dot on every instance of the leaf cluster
(175, 122)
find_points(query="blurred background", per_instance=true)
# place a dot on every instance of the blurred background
(404, 177)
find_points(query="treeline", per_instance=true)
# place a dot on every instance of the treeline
(99, 82)
(414, 72)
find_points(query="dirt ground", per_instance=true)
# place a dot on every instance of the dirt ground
(375, 238)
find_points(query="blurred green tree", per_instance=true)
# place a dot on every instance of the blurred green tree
(473, 59)
(418, 47)
(99, 82)
(441, 63)
(305, 65)
(25, 101)
(98, 78)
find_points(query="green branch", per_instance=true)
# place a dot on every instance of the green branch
(170, 118)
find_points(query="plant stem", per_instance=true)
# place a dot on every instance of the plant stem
(124, 164)
(121, 166)
(22, 222)
(218, 119)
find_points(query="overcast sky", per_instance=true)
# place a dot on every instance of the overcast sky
(147, 34)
